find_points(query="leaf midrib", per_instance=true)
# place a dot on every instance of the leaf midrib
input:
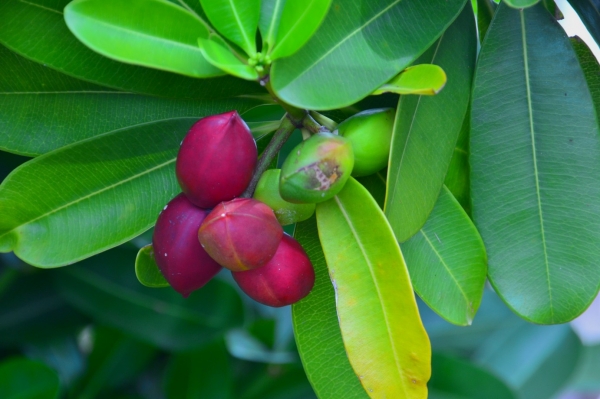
(92, 194)
(144, 35)
(357, 30)
(439, 256)
(410, 130)
(534, 154)
(375, 282)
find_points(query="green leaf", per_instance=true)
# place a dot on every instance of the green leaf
(22, 378)
(424, 79)
(91, 194)
(270, 15)
(417, 168)
(589, 12)
(146, 269)
(151, 33)
(237, 20)
(106, 288)
(299, 21)
(216, 51)
(535, 167)
(115, 360)
(458, 176)
(535, 361)
(383, 335)
(275, 382)
(32, 310)
(317, 331)
(203, 373)
(42, 22)
(485, 13)
(591, 69)
(447, 262)
(521, 4)
(244, 345)
(359, 47)
(263, 119)
(459, 378)
(42, 110)
(586, 376)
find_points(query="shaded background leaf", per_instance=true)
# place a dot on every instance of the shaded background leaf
(21, 378)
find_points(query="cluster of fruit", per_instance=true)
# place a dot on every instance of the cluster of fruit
(208, 226)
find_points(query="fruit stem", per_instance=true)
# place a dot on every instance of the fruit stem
(323, 120)
(284, 132)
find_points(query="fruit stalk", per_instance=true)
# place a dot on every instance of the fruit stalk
(279, 138)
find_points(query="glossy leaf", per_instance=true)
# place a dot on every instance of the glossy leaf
(21, 378)
(447, 262)
(203, 373)
(460, 378)
(146, 269)
(42, 22)
(115, 360)
(417, 169)
(105, 287)
(359, 46)
(424, 79)
(91, 194)
(485, 13)
(317, 331)
(385, 341)
(591, 69)
(270, 15)
(42, 110)
(237, 20)
(589, 12)
(535, 361)
(151, 33)
(458, 176)
(535, 167)
(215, 50)
(263, 119)
(520, 4)
(299, 21)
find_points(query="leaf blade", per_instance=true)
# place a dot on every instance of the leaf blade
(316, 77)
(447, 262)
(539, 267)
(416, 169)
(372, 284)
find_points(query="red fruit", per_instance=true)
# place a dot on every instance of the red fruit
(179, 255)
(286, 279)
(242, 234)
(216, 159)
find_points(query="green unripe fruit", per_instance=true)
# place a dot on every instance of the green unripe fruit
(370, 133)
(267, 191)
(317, 169)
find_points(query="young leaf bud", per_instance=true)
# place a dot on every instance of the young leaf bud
(216, 159)
(180, 258)
(242, 234)
(317, 169)
(370, 133)
(286, 279)
(267, 191)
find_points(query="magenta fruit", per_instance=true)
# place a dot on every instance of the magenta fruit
(179, 255)
(241, 234)
(216, 159)
(287, 278)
